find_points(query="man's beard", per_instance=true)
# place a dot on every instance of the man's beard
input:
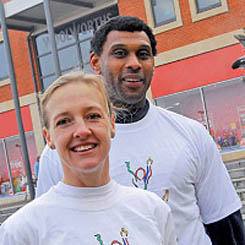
(120, 99)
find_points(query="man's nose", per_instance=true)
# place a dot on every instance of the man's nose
(81, 129)
(133, 62)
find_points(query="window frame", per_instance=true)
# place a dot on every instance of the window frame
(80, 65)
(197, 16)
(3, 81)
(164, 27)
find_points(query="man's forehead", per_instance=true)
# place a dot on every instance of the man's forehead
(124, 38)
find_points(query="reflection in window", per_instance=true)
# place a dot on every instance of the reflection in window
(186, 103)
(226, 102)
(4, 71)
(4, 177)
(204, 5)
(12, 147)
(163, 12)
(225, 107)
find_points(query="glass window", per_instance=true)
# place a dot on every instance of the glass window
(226, 107)
(43, 44)
(204, 5)
(12, 148)
(48, 81)
(4, 177)
(87, 68)
(188, 103)
(46, 65)
(163, 12)
(4, 70)
(73, 45)
(64, 39)
(68, 58)
(85, 49)
(85, 35)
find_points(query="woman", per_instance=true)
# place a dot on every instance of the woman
(86, 207)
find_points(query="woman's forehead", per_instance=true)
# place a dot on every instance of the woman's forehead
(84, 94)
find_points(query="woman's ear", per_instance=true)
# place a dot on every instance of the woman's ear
(95, 63)
(113, 132)
(48, 138)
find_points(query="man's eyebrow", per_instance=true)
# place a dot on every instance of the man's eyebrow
(145, 46)
(121, 45)
(118, 45)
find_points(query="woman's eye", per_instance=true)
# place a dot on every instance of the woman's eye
(62, 122)
(94, 116)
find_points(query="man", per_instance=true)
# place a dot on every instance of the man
(156, 149)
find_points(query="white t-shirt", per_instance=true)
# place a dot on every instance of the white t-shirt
(111, 214)
(174, 157)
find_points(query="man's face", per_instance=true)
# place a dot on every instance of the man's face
(126, 63)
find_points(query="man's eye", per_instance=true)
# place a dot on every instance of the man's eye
(120, 53)
(62, 122)
(94, 116)
(144, 54)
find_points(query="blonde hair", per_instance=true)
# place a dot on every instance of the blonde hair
(89, 79)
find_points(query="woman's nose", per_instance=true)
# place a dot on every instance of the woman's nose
(81, 129)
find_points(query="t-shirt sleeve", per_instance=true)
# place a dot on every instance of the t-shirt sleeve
(50, 171)
(166, 224)
(215, 192)
(7, 238)
(16, 230)
(170, 235)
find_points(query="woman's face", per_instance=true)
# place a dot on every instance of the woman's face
(80, 128)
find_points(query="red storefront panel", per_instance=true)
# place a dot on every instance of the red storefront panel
(196, 71)
(9, 125)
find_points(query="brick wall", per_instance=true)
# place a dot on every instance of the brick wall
(23, 73)
(191, 32)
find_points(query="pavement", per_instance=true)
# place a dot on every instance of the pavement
(11, 200)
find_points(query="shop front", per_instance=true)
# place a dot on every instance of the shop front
(207, 89)
(13, 178)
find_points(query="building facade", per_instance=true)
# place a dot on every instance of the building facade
(193, 74)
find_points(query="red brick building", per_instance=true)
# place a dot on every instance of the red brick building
(193, 74)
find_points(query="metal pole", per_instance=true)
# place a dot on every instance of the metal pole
(204, 105)
(50, 25)
(16, 101)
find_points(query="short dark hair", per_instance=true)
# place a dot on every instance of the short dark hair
(121, 23)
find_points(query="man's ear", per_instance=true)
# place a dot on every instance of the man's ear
(95, 63)
(48, 138)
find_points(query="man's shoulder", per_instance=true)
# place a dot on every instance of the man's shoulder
(174, 117)
(50, 154)
(148, 198)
